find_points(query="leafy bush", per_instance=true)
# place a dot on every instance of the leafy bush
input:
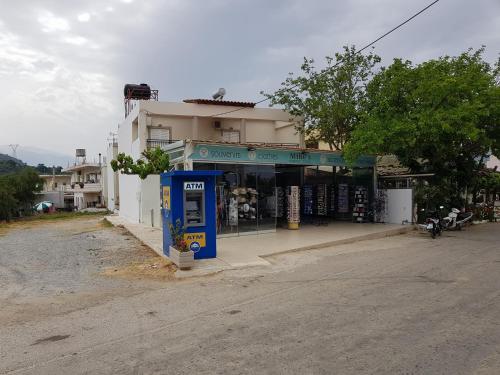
(177, 234)
(155, 161)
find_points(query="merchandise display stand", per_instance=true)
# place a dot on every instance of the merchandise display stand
(280, 204)
(321, 204)
(343, 201)
(360, 209)
(293, 207)
(331, 200)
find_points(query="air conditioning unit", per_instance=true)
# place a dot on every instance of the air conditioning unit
(217, 125)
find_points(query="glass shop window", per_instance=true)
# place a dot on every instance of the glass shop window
(194, 214)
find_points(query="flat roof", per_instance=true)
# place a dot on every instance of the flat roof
(230, 103)
(77, 167)
(192, 173)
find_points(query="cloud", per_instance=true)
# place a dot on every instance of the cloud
(50, 23)
(76, 40)
(66, 82)
(84, 17)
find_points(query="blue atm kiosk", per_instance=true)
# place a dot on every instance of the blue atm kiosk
(190, 197)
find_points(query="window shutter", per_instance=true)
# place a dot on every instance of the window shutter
(159, 134)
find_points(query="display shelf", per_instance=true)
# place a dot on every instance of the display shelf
(360, 209)
(280, 202)
(293, 204)
(321, 200)
(343, 198)
(307, 200)
(331, 200)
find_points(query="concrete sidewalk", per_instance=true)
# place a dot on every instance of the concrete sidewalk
(153, 238)
(251, 250)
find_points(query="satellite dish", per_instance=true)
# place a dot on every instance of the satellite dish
(219, 95)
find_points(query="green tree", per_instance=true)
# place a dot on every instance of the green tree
(8, 203)
(26, 184)
(441, 116)
(9, 166)
(43, 169)
(329, 99)
(154, 161)
(18, 192)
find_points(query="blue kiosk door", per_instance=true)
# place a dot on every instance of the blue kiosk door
(189, 196)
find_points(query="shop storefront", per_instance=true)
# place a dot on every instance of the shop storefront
(253, 191)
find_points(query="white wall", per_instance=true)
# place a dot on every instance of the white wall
(287, 134)
(151, 200)
(56, 197)
(261, 131)
(111, 179)
(130, 194)
(399, 206)
(493, 162)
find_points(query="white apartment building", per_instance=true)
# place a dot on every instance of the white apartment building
(56, 190)
(172, 126)
(86, 183)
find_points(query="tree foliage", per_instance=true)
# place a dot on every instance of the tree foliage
(441, 116)
(18, 191)
(9, 166)
(43, 169)
(154, 161)
(329, 99)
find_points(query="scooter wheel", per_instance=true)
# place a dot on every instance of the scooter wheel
(433, 234)
(459, 226)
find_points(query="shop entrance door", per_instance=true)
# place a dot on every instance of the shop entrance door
(237, 200)
(247, 199)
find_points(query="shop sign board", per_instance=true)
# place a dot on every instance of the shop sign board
(195, 241)
(194, 186)
(222, 153)
(166, 197)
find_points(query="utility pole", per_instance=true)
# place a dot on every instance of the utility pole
(14, 150)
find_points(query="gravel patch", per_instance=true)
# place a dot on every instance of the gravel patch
(68, 263)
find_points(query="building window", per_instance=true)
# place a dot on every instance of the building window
(159, 133)
(232, 136)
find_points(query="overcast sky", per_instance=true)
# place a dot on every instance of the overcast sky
(63, 63)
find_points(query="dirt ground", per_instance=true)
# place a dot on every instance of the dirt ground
(53, 267)
(407, 304)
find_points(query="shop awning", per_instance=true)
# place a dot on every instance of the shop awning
(209, 152)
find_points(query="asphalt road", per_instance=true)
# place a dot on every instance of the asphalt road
(401, 305)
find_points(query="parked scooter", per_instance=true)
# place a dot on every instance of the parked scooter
(456, 219)
(433, 224)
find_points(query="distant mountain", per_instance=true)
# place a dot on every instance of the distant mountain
(8, 164)
(34, 156)
(8, 158)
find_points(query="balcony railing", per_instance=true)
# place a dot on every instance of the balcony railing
(161, 143)
(271, 144)
(84, 187)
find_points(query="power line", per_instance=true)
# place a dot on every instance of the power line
(359, 51)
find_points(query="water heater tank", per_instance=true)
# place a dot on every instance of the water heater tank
(80, 152)
(139, 92)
